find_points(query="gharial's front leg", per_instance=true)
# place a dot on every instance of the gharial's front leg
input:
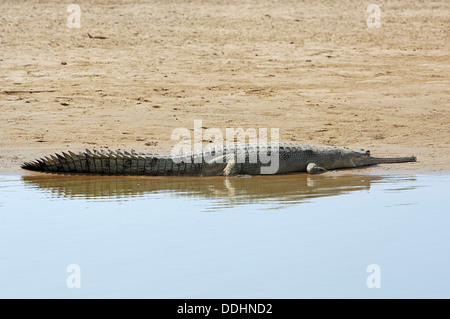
(312, 168)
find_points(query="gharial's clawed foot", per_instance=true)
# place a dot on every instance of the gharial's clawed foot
(232, 168)
(312, 168)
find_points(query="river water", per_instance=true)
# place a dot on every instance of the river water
(291, 236)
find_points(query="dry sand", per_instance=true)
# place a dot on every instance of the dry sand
(311, 68)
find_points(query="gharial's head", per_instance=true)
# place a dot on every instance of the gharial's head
(351, 158)
(360, 157)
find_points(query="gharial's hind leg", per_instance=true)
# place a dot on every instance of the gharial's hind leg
(312, 168)
(223, 165)
(232, 168)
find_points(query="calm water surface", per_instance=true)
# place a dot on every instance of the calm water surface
(293, 236)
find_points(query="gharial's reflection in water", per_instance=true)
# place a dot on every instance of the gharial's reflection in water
(225, 192)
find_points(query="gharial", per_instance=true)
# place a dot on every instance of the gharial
(226, 160)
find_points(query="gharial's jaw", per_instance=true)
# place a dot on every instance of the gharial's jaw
(390, 160)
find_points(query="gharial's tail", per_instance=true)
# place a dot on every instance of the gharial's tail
(100, 162)
(389, 160)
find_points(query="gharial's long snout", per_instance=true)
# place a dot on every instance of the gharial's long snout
(388, 160)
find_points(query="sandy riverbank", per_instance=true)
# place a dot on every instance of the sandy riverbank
(314, 70)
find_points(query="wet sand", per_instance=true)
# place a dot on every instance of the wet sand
(313, 69)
